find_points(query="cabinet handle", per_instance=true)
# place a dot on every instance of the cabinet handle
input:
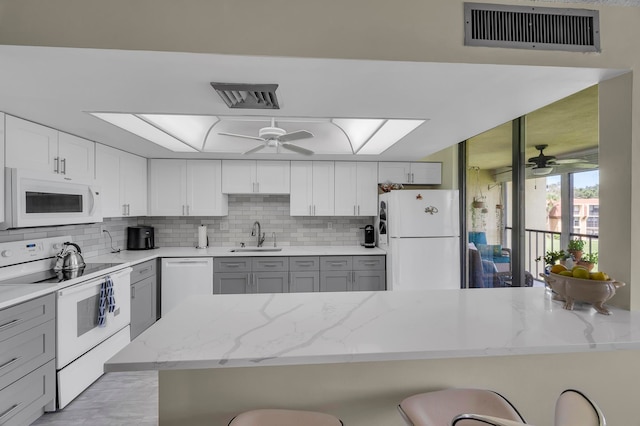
(133, 292)
(10, 323)
(354, 210)
(56, 165)
(258, 186)
(231, 265)
(128, 209)
(64, 166)
(249, 282)
(337, 263)
(124, 210)
(187, 209)
(304, 262)
(409, 177)
(310, 210)
(144, 271)
(370, 263)
(6, 413)
(183, 210)
(8, 363)
(270, 265)
(314, 209)
(358, 210)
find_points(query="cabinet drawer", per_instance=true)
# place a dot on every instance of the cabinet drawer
(306, 263)
(366, 263)
(22, 317)
(24, 352)
(143, 270)
(268, 264)
(22, 402)
(336, 263)
(232, 264)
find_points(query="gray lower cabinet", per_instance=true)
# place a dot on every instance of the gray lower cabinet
(27, 361)
(296, 274)
(352, 273)
(304, 274)
(144, 299)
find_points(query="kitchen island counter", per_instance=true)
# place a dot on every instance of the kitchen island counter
(360, 345)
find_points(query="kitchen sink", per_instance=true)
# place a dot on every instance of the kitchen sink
(255, 249)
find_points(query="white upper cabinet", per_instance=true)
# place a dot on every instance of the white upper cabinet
(312, 188)
(186, 188)
(36, 147)
(418, 173)
(356, 189)
(255, 177)
(123, 182)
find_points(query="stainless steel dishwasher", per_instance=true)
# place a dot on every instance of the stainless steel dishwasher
(183, 277)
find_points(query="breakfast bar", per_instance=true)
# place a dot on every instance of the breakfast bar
(357, 354)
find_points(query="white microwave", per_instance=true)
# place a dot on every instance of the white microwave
(34, 198)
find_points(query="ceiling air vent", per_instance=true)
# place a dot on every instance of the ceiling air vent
(248, 96)
(525, 27)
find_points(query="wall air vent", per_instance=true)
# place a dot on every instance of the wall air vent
(248, 96)
(525, 27)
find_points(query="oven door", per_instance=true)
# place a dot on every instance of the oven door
(37, 199)
(77, 316)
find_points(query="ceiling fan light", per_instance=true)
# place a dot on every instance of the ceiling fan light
(541, 171)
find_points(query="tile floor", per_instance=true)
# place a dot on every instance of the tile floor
(116, 399)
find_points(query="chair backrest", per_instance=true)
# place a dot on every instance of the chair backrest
(439, 408)
(278, 417)
(573, 408)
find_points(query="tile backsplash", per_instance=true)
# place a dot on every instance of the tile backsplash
(272, 211)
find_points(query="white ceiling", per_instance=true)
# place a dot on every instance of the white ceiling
(57, 86)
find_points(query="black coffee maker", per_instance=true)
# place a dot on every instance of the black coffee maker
(369, 236)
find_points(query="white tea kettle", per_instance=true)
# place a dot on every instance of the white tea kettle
(69, 258)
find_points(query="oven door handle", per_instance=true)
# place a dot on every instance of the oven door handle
(92, 282)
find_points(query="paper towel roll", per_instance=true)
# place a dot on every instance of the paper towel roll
(202, 236)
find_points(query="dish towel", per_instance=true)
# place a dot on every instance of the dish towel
(107, 301)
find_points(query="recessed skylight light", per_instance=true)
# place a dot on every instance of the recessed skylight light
(192, 129)
(390, 133)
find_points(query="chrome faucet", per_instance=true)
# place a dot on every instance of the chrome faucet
(258, 235)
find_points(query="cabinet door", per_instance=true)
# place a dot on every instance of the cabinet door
(238, 176)
(133, 185)
(335, 280)
(272, 177)
(2, 150)
(426, 173)
(231, 283)
(323, 188)
(394, 172)
(204, 189)
(77, 156)
(366, 189)
(301, 200)
(31, 146)
(345, 188)
(304, 281)
(109, 175)
(369, 280)
(270, 282)
(143, 305)
(168, 187)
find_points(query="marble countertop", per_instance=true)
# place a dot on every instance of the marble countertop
(138, 256)
(221, 331)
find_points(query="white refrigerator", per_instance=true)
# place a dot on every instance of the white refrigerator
(420, 230)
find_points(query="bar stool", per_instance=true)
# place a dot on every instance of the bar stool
(574, 408)
(439, 408)
(276, 417)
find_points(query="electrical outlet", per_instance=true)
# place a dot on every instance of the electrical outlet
(224, 226)
(102, 229)
(329, 225)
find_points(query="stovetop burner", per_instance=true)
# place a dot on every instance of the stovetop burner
(51, 276)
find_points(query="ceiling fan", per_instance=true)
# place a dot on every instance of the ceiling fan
(275, 137)
(543, 164)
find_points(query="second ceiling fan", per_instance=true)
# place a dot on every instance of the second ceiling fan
(275, 137)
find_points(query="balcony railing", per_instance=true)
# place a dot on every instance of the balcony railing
(538, 242)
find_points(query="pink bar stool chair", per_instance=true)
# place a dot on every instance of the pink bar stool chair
(277, 417)
(439, 408)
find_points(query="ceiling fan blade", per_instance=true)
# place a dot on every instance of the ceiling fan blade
(294, 136)
(241, 136)
(297, 149)
(585, 166)
(570, 161)
(256, 149)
